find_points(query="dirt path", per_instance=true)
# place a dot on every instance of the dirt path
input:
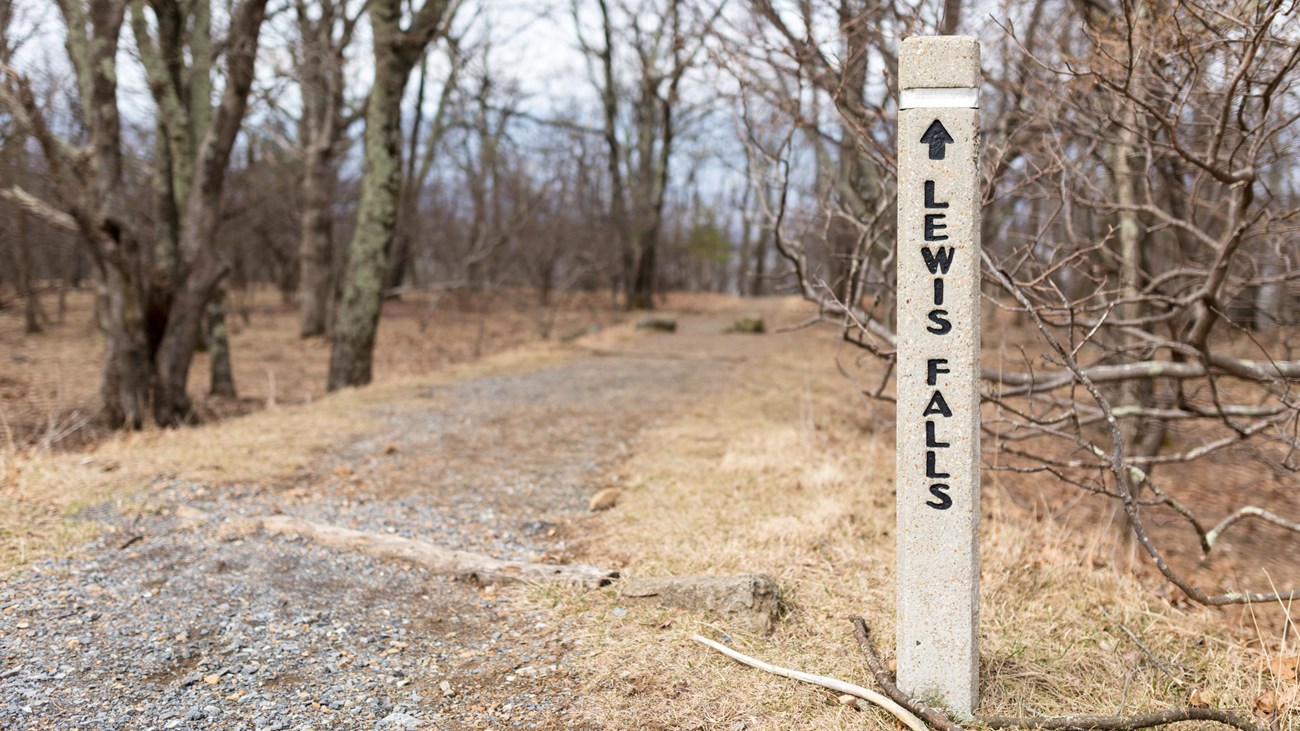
(179, 622)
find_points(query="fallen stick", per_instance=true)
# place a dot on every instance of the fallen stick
(1123, 723)
(839, 686)
(485, 569)
(931, 716)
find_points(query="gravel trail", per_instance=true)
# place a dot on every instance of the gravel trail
(175, 622)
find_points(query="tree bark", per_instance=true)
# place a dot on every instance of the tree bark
(641, 296)
(223, 375)
(128, 368)
(322, 125)
(316, 251)
(351, 359)
(150, 316)
(32, 314)
(951, 19)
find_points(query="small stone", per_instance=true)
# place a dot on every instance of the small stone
(605, 499)
(751, 599)
(212, 679)
(397, 720)
(751, 325)
(537, 527)
(620, 612)
(445, 686)
(660, 324)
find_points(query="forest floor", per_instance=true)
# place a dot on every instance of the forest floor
(139, 595)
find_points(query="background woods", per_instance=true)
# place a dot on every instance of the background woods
(1141, 197)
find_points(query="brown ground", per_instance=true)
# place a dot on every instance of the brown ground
(49, 382)
(734, 452)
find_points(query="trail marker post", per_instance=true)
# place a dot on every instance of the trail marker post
(937, 474)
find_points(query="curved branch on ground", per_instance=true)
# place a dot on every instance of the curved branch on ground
(839, 686)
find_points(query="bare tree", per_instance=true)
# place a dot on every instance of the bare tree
(641, 120)
(396, 51)
(13, 159)
(325, 31)
(422, 149)
(844, 251)
(150, 308)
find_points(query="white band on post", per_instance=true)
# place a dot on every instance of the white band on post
(938, 98)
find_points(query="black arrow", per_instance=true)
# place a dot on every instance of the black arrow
(936, 137)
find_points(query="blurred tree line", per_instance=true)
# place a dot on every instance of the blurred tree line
(344, 152)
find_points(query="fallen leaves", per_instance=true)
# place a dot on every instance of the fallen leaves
(1286, 668)
(1201, 698)
(1285, 695)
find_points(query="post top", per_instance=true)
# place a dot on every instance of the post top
(939, 62)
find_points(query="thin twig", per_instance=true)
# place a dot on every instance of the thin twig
(839, 686)
(1152, 656)
(1250, 511)
(928, 714)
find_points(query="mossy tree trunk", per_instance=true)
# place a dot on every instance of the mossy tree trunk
(396, 51)
(316, 247)
(223, 377)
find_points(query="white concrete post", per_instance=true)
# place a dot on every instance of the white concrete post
(938, 471)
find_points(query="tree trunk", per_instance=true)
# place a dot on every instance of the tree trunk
(128, 372)
(171, 404)
(351, 358)
(396, 53)
(758, 283)
(746, 235)
(317, 247)
(641, 296)
(951, 20)
(222, 374)
(32, 315)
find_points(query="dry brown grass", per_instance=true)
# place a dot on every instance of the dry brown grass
(41, 491)
(52, 382)
(787, 474)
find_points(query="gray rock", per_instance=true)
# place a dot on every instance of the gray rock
(661, 324)
(398, 721)
(751, 325)
(750, 599)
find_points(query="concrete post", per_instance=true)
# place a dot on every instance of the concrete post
(938, 472)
